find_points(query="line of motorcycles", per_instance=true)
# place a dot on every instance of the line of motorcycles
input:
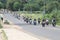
(35, 22)
(43, 23)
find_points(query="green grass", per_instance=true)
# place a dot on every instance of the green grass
(34, 16)
(58, 23)
(1, 26)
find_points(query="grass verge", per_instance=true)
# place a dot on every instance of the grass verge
(1, 26)
(4, 37)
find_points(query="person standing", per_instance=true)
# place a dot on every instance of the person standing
(2, 18)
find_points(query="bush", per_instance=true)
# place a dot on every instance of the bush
(6, 22)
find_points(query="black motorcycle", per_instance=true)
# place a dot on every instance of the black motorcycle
(47, 23)
(34, 22)
(54, 24)
(43, 24)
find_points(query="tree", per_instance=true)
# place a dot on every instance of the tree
(32, 7)
(4, 3)
(16, 6)
(1, 5)
(10, 6)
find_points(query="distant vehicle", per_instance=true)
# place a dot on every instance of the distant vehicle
(47, 22)
(38, 20)
(30, 21)
(53, 22)
(34, 22)
(43, 23)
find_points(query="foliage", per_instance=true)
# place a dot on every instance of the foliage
(31, 5)
(16, 6)
(1, 5)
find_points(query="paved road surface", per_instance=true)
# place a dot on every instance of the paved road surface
(48, 32)
(0, 37)
(14, 34)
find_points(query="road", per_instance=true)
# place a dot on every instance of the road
(0, 36)
(14, 34)
(50, 32)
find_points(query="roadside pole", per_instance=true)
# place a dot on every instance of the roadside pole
(44, 11)
(1, 21)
